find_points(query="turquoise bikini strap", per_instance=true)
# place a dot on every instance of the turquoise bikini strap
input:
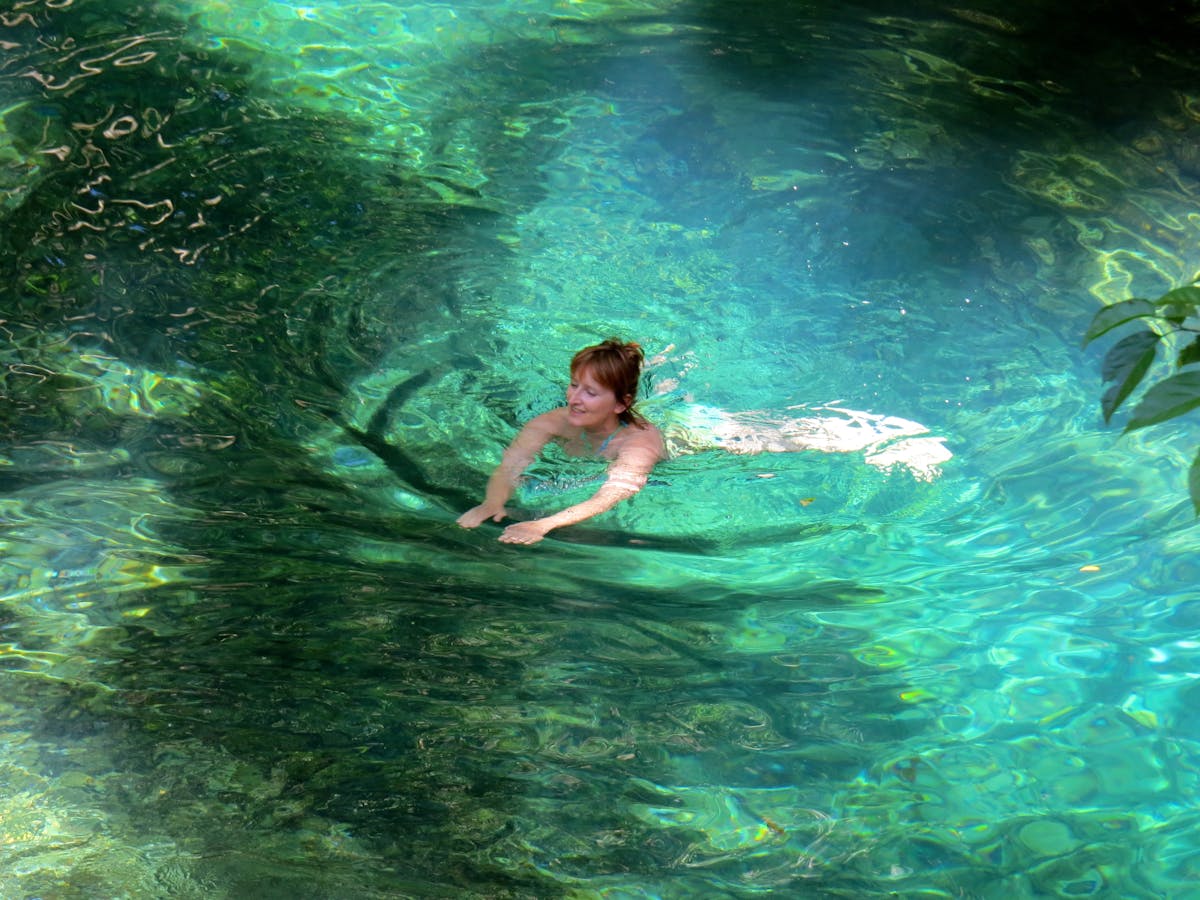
(604, 444)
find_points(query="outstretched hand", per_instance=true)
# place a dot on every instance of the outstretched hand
(524, 532)
(473, 518)
(517, 533)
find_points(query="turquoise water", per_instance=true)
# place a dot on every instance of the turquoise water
(281, 281)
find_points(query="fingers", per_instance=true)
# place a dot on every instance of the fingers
(517, 534)
(525, 541)
(473, 518)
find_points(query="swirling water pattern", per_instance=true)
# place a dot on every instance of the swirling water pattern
(280, 282)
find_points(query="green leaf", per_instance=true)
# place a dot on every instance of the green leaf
(1169, 398)
(1189, 354)
(1176, 314)
(1185, 296)
(1194, 483)
(1126, 363)
(1179, 305)
(1116, 314)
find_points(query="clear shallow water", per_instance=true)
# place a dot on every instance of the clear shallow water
(281, 281)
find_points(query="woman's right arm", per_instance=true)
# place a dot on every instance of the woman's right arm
(524, 449)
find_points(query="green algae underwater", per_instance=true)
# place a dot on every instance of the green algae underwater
(280, 282)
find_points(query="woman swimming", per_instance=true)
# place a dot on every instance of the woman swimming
(599, 421)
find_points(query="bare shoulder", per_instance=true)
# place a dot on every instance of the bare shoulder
(645, 431)
(644, 439)
(536, 434)
(549, 425)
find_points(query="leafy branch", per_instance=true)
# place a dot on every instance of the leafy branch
(1130, 358)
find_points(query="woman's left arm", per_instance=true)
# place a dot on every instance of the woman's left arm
(626, 476)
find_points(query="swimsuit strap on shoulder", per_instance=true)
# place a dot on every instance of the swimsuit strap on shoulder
(604, 444)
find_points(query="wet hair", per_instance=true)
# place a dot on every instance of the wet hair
(616, 365)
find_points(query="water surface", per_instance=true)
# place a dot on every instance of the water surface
(280, 282)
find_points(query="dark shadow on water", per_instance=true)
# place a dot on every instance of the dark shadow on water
(419, 720)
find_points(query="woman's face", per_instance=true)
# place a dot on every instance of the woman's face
(589, 403)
